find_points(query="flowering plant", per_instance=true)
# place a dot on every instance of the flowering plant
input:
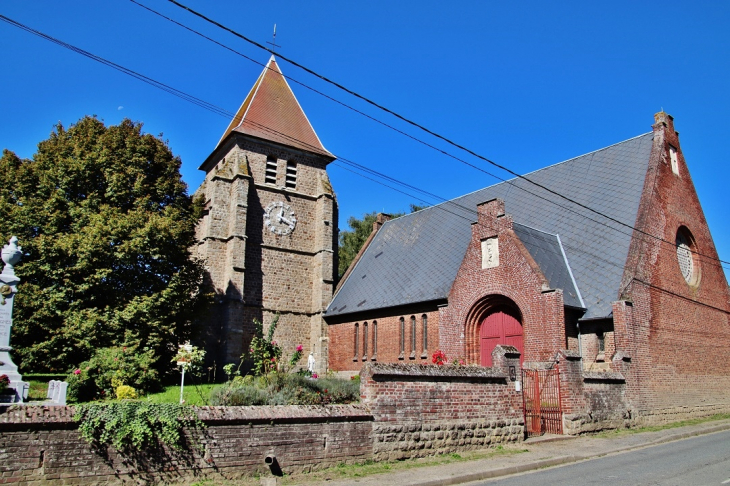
(296, 356)
(264, 351)
(439, 358)
(4, 383)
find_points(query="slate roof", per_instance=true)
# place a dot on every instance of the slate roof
(415, 258)
(548, 253)
(272, 112)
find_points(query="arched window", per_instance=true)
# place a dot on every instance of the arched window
(402, 338)
(375, 341)
(424, 331)
(357, 336)
(687, 257)
(413, 338)
(365, 341)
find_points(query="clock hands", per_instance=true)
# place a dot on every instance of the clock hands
(282, 219)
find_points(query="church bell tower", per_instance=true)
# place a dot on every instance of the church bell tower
(269, 231)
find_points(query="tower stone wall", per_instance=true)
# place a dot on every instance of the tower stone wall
(268, 235)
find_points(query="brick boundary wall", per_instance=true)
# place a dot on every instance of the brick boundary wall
(423, 410)
(41, 445)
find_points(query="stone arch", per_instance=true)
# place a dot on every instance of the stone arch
(482, 309)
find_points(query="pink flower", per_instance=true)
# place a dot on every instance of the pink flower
(300, 348)
(77, 371)
(273, 360)
(315, 376)
(273, 342)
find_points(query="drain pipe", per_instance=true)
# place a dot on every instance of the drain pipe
(274, 467)
(580, 345)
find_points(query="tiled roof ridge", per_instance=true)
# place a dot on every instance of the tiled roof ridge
(581, 156)
(510, 181)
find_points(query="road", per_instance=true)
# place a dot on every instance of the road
(697, 461)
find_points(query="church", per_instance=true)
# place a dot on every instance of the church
(605, 259)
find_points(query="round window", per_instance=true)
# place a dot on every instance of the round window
(686, 256)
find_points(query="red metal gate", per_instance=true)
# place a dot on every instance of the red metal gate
(541, 399)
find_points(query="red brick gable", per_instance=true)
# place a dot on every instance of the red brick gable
(516, 282)
(676, 334)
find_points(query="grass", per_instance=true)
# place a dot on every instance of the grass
(366, 468)
(607, 434)
(38, 390)
(369, 467)
(192, 394)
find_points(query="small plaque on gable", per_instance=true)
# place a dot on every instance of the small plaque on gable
(490, 253)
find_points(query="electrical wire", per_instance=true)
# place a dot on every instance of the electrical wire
(421, 127)
(222, 112)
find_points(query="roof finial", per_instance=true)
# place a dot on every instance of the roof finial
(274, 45)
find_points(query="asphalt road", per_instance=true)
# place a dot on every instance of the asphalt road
(697, 461)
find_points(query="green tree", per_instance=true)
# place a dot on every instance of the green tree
(106, 225)
(351, 241)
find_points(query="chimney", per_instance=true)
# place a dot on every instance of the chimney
(663, 119)
(380, 220)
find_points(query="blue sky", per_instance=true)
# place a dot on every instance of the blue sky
(525, 84)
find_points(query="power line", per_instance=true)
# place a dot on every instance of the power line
(423, 128)
(225, 113)
(169, 89)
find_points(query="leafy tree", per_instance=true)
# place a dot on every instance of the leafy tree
(351, 241)
(106, 224)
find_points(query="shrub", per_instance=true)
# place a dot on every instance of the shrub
(286, 389)
(264, 351)
(4, 383)
(109, 368)
(126, 392)
(134, 425)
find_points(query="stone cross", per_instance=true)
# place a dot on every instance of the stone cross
(11, 254)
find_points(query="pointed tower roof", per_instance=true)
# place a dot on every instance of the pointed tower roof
(272, 112)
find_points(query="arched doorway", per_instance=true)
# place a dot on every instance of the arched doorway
(494, 319)
(501, 326)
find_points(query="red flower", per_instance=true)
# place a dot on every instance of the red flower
(77, 372)
(300, 348)
(439, 358)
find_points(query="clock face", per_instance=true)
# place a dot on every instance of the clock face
(279, 218)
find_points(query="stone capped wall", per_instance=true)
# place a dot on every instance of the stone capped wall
(39, 445)
(426, 410)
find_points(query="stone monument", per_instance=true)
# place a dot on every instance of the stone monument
(11, 254)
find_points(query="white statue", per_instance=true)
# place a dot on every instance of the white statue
(310, 362)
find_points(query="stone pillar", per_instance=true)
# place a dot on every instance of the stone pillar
(507, 359)
(11, 255)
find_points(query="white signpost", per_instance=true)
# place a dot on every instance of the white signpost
(185, 353)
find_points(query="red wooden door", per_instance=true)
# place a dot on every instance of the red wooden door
(499, 328)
